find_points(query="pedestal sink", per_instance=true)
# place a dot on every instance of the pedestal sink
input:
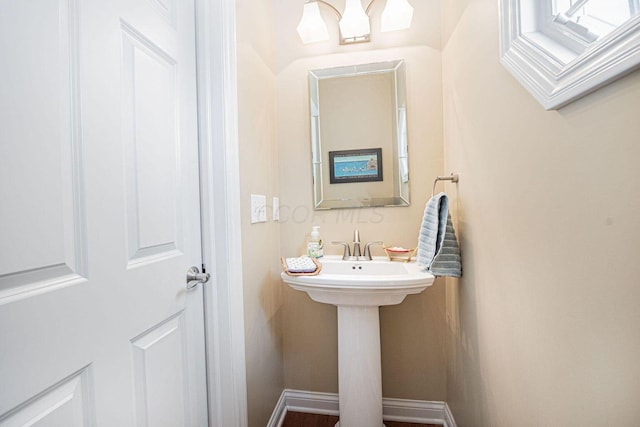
(358, 288)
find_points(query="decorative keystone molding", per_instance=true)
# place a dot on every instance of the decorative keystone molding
(403, 410)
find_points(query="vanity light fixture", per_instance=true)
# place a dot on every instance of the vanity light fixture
(353, 22)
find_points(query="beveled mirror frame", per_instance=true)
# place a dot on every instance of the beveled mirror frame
(399, 173)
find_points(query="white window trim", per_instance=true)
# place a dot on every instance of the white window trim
(535, 59)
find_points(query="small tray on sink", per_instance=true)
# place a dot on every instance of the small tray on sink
(311, 273)
(395, 253)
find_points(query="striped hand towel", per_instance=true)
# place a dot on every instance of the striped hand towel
(438, 249)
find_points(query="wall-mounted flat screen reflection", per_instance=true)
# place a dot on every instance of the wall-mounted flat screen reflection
(363, 165)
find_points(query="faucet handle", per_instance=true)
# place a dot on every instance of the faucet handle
(356, 236)
(347, 250)
(367, 248)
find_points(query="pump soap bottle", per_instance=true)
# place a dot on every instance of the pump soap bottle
(314, 247)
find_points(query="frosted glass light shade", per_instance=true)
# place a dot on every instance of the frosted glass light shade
(311, 27)
(396, 15)
(354, 22)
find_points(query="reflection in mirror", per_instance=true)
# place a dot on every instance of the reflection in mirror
(359, 140)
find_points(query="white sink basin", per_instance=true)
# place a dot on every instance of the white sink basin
(358, 289)
(362, 283)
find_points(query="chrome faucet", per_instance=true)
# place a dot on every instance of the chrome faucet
(357, 253)
(346, 255)
(356, 244)
(367, 249)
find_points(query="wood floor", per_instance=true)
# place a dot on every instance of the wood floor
(300, 419)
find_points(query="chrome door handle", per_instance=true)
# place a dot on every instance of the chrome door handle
(194, 277)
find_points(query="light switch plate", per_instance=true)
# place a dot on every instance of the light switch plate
(276, 209)
(258, 208)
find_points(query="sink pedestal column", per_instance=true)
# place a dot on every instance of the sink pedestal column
(359, 366)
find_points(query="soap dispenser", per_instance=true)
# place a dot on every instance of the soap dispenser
(314, 246)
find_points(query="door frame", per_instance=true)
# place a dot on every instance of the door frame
(220, 211)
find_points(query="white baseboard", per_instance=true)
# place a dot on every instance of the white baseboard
(279, 412)
(448, 417)
(410, 411)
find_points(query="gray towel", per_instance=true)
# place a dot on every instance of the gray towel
(438, 249)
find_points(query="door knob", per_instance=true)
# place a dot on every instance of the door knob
(194, 277)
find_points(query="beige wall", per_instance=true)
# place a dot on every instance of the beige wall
(412, 333)
(259, 175)
(544, 327)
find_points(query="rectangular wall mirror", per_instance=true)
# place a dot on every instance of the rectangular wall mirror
(359, 141)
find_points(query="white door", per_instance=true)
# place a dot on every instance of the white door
(99, 215)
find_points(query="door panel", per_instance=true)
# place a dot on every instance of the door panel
(43, 216)
(150, 113)
(161, 397)
(99, 215)
(64, 404)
